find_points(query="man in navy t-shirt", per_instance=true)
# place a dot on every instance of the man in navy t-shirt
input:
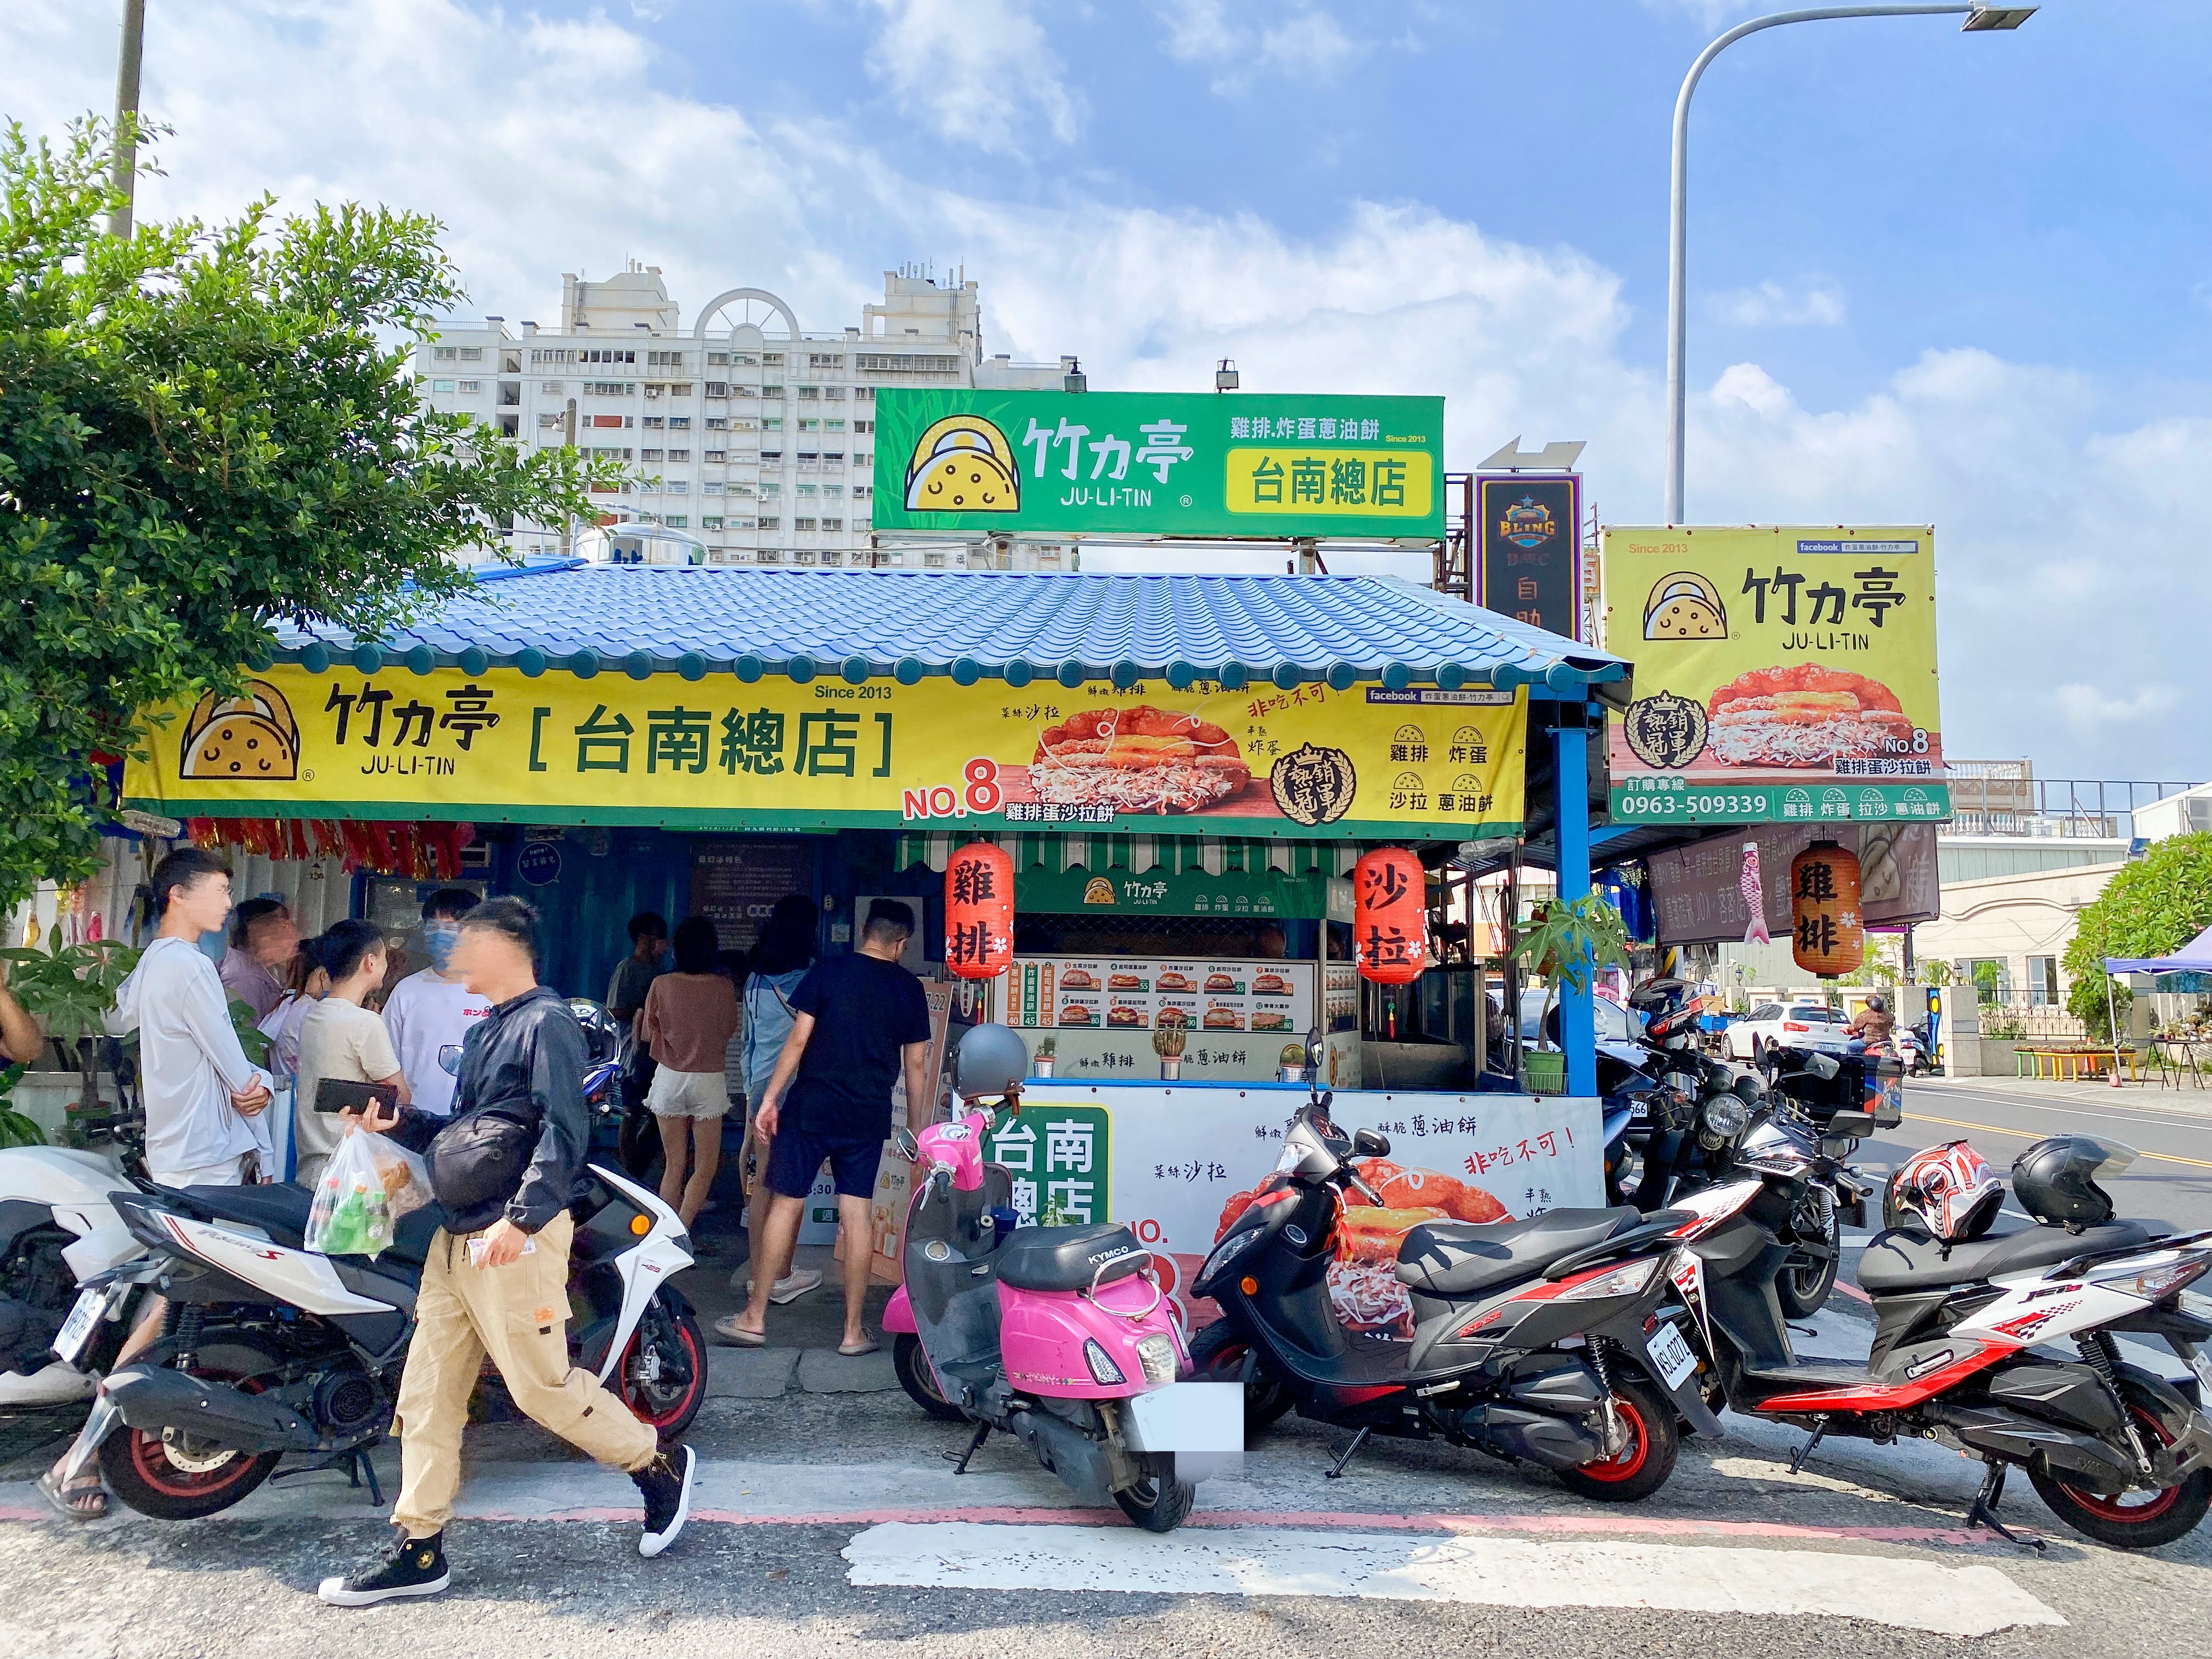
(857, 1019)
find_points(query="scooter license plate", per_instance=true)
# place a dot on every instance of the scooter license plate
(76, 1330)
(1639, 1111)
(1672, 1355)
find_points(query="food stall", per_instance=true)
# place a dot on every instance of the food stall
(1183, 771)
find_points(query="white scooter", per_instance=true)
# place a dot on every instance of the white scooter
(271, 1348)
(66, 1285)
(1912, 1051)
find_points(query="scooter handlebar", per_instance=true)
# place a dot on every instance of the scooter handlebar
(1351, 1176)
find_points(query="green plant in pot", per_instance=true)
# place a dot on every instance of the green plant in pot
(1565, 943)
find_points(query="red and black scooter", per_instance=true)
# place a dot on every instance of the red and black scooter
(1533, 1341)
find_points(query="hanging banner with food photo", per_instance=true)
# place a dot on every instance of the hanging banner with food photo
(779, 753)
(1783, 674)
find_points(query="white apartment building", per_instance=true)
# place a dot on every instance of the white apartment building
(744, 439)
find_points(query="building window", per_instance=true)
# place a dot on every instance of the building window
(907, 363)
(807, 489)
(444, 353)
(551, 355)
(678, 521)
(713, 457)
(610, 388)
(651, 455)
(553, 388)
(860, 457)
(860, 492)
(835, 394)
(606, 354)
(835, 458)
(654, 389)
(610, 420)
(771, 422)
(809, 393)
(771, 391)
(833, 524)
(833, 426)
(680, 454)
(1991, 977)
(823, 360)
(710, 521)
(649, 487)
(771, 456)
(710, 488)
(664, 360)
(472, 386)
(718, 359)
(805, 425)
(768, 555)
(510, 426)
(864, 394)
(744, 360)
(2042, 983)
(682, 389)
(774, 357)
(679, 423)
(554, 420)
(442, 385)
(802, 523)
(718, 388)
(747, 391)
(771, 523)
(612, 452)
(654, 423)
(471, 354)
(932, 561)
(717, 423)
(864, 426)
(678, 486)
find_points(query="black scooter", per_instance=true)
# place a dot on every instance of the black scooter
(1523, 1346)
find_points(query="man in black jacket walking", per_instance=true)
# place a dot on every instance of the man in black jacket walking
(504, 1167)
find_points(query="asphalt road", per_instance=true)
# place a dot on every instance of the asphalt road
(833, 1522)
(2171, 1182)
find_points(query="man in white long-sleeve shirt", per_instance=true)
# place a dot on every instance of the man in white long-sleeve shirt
(201, 1091)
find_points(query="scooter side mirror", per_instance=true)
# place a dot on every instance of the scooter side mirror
(1365, 1143)
(908, 1147)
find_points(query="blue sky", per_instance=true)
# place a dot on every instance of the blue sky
(1959, 279)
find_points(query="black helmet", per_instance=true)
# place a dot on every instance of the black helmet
(2056, 1179)
(601, 1036)
(993, 1059)
(1878, 1003)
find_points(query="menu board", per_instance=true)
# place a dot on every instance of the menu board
(1108, 994)
(735, 883)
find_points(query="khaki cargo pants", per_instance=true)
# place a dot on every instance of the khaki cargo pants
(519, 1314)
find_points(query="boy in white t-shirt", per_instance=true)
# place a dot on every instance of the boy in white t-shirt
(432, 1011)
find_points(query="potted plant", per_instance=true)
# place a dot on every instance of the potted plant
(1048, 1050)
(1292, 1060)
(1168, 1043)
(1565, 942)
(69, 988)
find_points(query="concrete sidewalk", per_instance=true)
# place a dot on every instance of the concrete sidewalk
(802, 1355)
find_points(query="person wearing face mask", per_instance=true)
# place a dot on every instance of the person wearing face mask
(432, 1011)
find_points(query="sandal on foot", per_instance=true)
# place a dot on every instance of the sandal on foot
(84, 1500)
(728, 1330)
(866, 1346)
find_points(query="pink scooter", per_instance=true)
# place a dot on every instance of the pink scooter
(1060, 1335)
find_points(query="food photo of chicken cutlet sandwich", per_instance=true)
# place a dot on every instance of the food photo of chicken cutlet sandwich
(1137, 760)
(1807, 716)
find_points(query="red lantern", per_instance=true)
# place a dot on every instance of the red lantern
(1390, 916)
(979, 911)
(1830, 933)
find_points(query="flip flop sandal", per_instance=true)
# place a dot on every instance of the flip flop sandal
(865, 1349)
(737, 1336)
(64, 1498)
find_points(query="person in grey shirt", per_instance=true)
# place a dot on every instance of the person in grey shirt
(200, 1090)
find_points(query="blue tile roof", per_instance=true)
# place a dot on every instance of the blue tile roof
(1019, 625)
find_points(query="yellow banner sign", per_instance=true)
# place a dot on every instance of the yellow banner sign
(720, 753)
(1783, 674)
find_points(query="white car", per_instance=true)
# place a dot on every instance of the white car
(1787, 1025)
(1618, 1030)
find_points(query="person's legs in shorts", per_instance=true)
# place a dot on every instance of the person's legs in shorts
(689, 1106)
(852, 1165)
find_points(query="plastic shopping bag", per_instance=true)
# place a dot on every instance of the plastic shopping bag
(368, 1184)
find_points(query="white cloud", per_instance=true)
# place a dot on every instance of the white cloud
(977, 70)
(1308, 45)
(2073, 584)
(1771, 306)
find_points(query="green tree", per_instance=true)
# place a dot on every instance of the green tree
(205, 431)
(2153, 906)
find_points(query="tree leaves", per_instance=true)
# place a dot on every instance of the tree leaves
(2151, 907)
(205, 431)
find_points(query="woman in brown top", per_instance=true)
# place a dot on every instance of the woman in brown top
(687, 1022)
(1875, 1025)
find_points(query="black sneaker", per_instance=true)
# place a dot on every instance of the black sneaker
(665, 1483)
(413, 1566)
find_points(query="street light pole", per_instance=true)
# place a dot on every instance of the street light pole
(1979, 17)
(123, 171)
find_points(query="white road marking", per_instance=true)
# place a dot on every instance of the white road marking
(1914, 1594)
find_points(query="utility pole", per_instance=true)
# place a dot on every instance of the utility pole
(124, 177)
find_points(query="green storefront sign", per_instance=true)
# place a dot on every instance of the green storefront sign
(1060, 1158)
(1162, 892)
(1158, 464)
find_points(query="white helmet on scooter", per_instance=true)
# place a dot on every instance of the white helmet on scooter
(1948, 1192)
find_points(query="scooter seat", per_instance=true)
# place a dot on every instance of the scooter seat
(1461, 1258)
(280, 1209)
(1911, 1261)
(1068, 1258)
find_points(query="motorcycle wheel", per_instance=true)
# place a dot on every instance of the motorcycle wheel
(1159, 1503)
(662, 1376)
(2130, 1520)
(185, 1477)
(1805, 1284)
(911, 1366)
(1641, 1467)
(1217, 1355)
